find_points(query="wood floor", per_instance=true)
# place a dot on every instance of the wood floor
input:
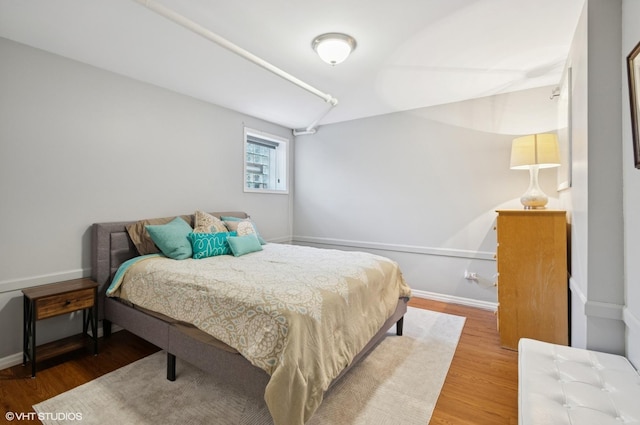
(480, 389)
(482, 384)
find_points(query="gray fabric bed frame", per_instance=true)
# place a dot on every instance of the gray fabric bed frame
(111, 246)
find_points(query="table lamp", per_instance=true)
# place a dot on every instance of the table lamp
(532, 153)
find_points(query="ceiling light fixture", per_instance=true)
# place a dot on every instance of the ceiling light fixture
(333, 47)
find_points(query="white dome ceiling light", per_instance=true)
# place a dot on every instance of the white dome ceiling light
(333, 48)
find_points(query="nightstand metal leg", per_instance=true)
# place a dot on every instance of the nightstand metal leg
(33, 341)
(91, 319)
(25, 332)
(85, 324)
(29, 335)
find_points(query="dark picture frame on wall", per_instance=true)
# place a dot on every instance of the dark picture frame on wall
(633, 72)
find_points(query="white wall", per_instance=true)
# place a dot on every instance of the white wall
(80, 145)
(631, 313)
(575, 200)
(421, 187)
(595, 200)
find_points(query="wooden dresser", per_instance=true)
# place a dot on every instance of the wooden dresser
(532, 276)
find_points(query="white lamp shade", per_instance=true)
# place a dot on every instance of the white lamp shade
(334, 48)
(536, 149)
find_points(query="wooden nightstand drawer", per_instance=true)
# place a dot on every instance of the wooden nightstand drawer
(55, 305)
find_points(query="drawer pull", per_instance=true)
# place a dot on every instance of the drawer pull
(67, 302)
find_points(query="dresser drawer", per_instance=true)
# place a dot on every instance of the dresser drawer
(57, 304)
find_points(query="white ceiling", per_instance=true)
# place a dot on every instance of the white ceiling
(410, 54)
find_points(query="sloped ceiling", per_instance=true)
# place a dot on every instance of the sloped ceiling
(410, 53)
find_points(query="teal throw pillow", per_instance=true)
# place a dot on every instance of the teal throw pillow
(210, 244)
(241, 245)
(171, 238)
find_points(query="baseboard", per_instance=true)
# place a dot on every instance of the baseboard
(452, 299)
(10, 360)
(633, 337)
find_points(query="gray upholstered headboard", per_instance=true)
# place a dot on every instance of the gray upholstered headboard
(111, 246)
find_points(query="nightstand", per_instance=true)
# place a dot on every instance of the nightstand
(43, 302)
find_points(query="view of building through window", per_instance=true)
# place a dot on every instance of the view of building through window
(265, 162)
(259, 157)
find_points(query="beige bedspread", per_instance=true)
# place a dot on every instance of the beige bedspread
(299, 313)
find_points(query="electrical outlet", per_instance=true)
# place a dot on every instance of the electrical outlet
(471, 275)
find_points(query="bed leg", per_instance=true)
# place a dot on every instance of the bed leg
(106, 328)
(171, 367)
(399, 324)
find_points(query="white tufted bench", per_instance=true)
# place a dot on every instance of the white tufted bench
(565, 385)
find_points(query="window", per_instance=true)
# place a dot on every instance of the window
(265, 162)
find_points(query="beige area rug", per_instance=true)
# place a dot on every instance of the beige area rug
(397, 383)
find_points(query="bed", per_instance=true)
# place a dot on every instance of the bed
(320, 341)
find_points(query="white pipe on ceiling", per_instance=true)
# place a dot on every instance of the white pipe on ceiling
(311, 128)
(209, 35)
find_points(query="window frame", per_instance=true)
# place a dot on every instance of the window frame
(281, 146)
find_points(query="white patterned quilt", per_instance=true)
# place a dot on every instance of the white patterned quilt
(299, 313)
